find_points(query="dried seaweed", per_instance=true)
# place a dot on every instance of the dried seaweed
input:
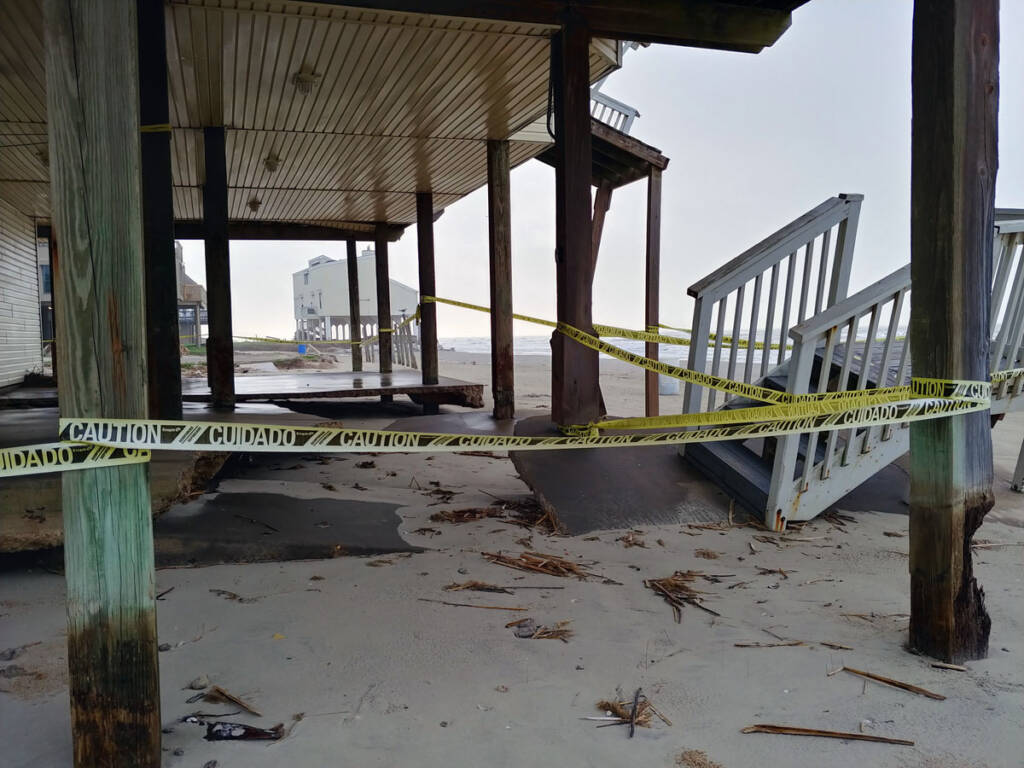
(467, 515)
(677, 590)
(553, 565)
(477, 586)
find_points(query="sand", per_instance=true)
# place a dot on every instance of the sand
(382, 678)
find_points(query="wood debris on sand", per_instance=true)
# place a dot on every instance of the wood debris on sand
(894, 683)
(553, 565)
(637, 712)
(677, 590)
(796, 731)
(477, 586)
(472, 605)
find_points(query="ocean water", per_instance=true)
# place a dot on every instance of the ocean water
(541, 345)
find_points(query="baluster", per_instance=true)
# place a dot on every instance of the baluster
(883, 378)
(773, 289)
(831, 337)
(698, 355)
(755, 306)
(1005, 246)
(787, 309)
(1013, 316)
(716, 362)
(806, 286)
(864, 376)
(819, 298)
(841, 385)
(734, 342)
(901, 379)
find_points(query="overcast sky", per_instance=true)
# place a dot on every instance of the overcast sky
(754, 141)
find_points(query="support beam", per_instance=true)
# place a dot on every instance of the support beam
(384, 329)
(499, 232)
(428, 287)
(92, 101)
(953, 172)
(190, 229)
(162, 343)
(653, 284)
(220, 353)
(699, 23)
(602, 202)
(575, 393)
(355, 311)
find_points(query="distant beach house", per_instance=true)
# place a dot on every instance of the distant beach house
(320, 298)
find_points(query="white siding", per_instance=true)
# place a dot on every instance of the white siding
(329, 280)
(20, 349)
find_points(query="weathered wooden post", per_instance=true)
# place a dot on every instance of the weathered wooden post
(163, 345)
(652, 287)
(220, 354)
(384, 330)
(499, 229)
(355, 325)
(575, 394)
(428, 287)
(92, 102)
(954, 159)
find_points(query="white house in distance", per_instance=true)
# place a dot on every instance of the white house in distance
(320, 298)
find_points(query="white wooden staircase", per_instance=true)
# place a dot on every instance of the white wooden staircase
(846, 343)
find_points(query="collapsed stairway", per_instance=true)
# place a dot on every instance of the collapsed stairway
(778, 316)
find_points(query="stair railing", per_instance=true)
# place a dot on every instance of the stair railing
(1007, 308)
(789, 276)
(613, 112)
(855, 344)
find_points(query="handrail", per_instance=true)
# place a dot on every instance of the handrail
(852, 306)
(794, 235)
(758, 296)
(613, 112)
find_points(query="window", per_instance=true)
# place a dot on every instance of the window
(321, 299)
(305, 278)
(45, 281)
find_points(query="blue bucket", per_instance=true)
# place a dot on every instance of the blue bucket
(302, 349)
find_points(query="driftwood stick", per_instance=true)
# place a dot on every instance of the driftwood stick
(896, 683)
(471, 605)
(796, 731)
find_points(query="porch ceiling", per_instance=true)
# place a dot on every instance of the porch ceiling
(397, 103)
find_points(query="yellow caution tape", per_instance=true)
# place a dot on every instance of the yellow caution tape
(155, 128)
(57, 457)
(92, 442)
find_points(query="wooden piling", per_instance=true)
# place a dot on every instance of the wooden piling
(652, 287)
(355, 325)
(384, 329)
(428, 287)
(954, 159)
(575, 393)
(499, 229)
(162, 343)
(220, 355)
(93, 121)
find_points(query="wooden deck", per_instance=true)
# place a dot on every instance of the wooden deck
(299, 386)
(303, 386)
